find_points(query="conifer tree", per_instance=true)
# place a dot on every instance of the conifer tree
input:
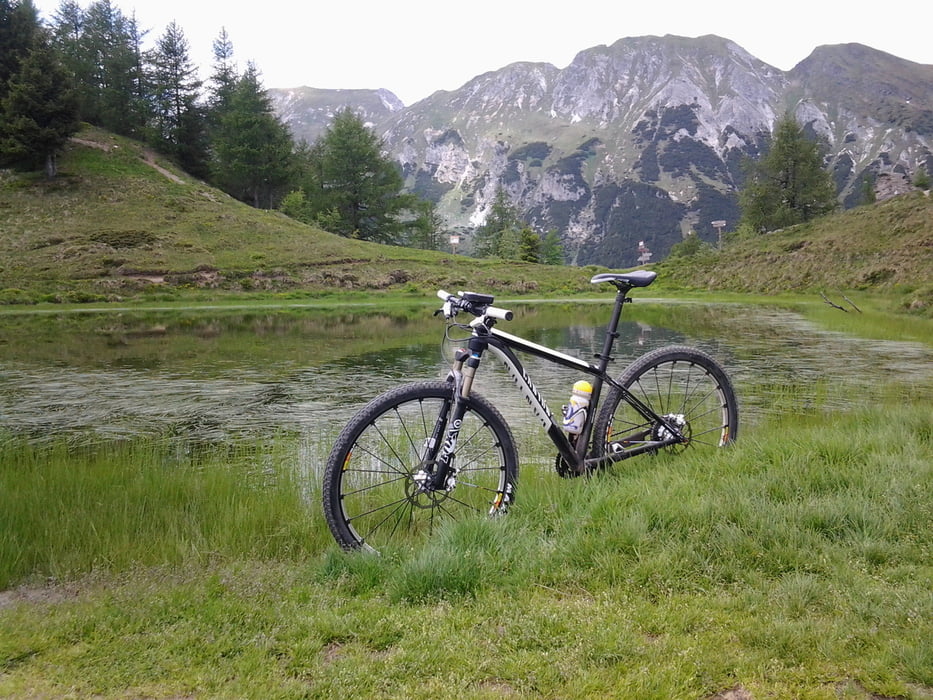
(499, 235)
(224, 78)
(19, 32)
(101, 48)
(252, 150)
(354, 185)
(38, 114)
(789, 185)
(529, 248)
(180, 125)
(426, 227)
(67, 31)
(222, 84)
(552, 250)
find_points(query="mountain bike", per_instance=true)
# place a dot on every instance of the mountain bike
(434, 451)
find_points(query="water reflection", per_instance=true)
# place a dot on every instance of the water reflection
(222, 375)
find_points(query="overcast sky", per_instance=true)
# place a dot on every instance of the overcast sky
(415, 47)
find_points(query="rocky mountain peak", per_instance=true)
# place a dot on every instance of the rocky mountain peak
(642, 140)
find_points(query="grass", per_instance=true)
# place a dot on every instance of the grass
(796, 564)
(874, 319)
(885, 246)
(68, 510)
(113, 228)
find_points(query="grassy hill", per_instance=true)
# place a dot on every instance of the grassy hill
(122, 223)
(885, 247)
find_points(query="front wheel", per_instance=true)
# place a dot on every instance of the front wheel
(372, 497)
(685, 386)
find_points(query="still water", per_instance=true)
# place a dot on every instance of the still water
(232, 374)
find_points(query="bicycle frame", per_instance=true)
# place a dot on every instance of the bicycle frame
(504, 345)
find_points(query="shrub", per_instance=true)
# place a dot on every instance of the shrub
(15, 296)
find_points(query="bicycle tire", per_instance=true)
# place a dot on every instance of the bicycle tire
(677, 381)
(370, 497)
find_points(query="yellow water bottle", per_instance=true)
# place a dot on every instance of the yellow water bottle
(575, 412)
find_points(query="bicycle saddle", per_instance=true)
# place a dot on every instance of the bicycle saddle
(638, 278)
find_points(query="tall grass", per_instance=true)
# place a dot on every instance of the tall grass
(67, 510)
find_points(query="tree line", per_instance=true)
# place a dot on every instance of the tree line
(90, 66)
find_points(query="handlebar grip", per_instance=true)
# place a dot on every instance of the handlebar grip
(442, 295)
(503, 314)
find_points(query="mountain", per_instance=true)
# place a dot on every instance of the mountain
(643, 140)
(309, 111)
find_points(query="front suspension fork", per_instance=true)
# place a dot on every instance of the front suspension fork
(437, 471)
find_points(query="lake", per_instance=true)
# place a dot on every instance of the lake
(222, 374)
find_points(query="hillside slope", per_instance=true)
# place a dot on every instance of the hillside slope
(118, 222)
(885, 247)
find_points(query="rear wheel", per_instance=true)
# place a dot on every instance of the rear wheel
(685, 386)
(371, 495)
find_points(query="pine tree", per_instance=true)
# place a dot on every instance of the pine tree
(348, 176)
(425, 229)
(529, 247)
(101, 49)
(224, 78)
(38, 114)
(68, 39)
(222, 84)
(552, 250)
(499, 235)
(789, 185)
(253, 156)
(19, 32)
(67, 30)
(180, 124)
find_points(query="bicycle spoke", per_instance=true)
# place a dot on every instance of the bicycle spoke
(399, 512)
(364, 489)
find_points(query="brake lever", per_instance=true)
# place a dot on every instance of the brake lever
(448, 309)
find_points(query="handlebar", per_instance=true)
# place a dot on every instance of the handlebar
(476, 304)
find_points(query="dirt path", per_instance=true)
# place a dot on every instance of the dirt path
(149, 158)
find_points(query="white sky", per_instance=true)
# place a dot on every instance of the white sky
(415, 47)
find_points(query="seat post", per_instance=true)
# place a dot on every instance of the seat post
(612, 330)
(605, 357)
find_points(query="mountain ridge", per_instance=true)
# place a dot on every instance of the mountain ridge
(643, 140)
